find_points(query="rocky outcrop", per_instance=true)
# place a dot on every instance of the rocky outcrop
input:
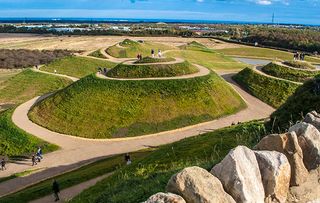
(313, 118)
(309, 141)
(288, 145)
(275, 172)
(165, 198)
(240, 175)
(197, 185)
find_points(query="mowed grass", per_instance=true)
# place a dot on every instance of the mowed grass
(97, 54)
(208, 58)
(150, 175)
(77, 66)
(130, 49)
(269, 90)
(289, 73)
(6, 74)
(149, 59)
(75, 177)
(305, 99)
(264, 53)
(98, 108)
(28, 84)
(16, 142)
(152, 70)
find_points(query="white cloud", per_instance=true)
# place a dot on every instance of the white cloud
(264, 2)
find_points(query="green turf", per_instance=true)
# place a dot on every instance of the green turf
(195, 46)
(77, 66)
(149, 59)
(289, 73)
(5, 75)
(153, 70)
(265, 53)
(209, 59)
(130, 49)
(72, 178)
(28, 84)
(269, 90)
(150, 175)
(97, 54)
(303, 101)
(300, 64)
(98, 108)
(16, 142)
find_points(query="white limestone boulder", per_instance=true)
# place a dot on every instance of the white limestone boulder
(313, 118)
(165, 198)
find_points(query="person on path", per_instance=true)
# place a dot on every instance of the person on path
(55, 71)
(159, 53)
(152, 53)
(3, 164)
(56, 190)
(39, 153)
(127, 158)
(34, 161)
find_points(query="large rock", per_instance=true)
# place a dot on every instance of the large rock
(196, 185)
(275, 172)
(288, 145)
(240, 175)
(313, 118)
(309, 141)
(165, 198)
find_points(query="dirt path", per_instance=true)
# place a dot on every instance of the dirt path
(69, 193)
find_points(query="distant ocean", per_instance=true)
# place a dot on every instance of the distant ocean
(120, 20)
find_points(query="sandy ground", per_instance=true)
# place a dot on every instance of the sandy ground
(90, 43)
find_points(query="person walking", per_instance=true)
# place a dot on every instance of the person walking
(3, 164)
(127, 158)
(39, 153)
(56, 190)
(152, 53)
(34, 160)
(159, 53)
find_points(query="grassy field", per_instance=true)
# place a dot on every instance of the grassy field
(194, 46)
(98, 54)
(16, 142)
(130, 49)
(150, 175)
(131, 108)
(289, 73)
(28, 84)
(77, 66)
(154, 70)
(256, 52)
(300, 64)
(72, 178)
(5, 75)
(149, 59)
(303, 101)
(272, 91)
(209, 59)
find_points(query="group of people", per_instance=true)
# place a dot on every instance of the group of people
(102, 70)
(37, 157)
(298, 56)
(153, 53)
(139, 56)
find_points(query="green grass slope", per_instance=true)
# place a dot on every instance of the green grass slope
(28, 84)
(300, 64)
(77, 66)
(272, 91)
(149, 59)
(16, 142)
(154, 70)
(151, 175)
(130, 49)
(195, 46)
(304, 100)
(98, 108)
(97, 54)
(289, 73)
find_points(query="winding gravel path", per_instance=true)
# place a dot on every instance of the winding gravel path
(76, 152)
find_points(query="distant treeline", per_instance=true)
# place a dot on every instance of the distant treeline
(23, 58)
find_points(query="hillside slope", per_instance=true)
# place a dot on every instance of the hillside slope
(98, 108)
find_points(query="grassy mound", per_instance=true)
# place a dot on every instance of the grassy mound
(97, 54)
(130, 49)
(151, 174)
(300, 64)
(272, 91)
(77, 66)
(288, 73)
(28, 84)
(148, 71)
(16, 142)
(304, 100)
(98, 108)
(194, 45)
(149, 59)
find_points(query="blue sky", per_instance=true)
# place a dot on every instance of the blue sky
(286, 11)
